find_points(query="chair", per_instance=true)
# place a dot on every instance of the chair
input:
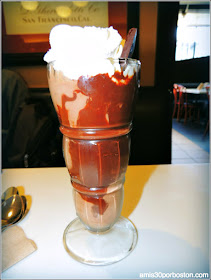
(182, 104)
(178, 100)
(190, 107)
(14, 94)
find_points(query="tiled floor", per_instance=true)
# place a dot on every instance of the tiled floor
(186, 151)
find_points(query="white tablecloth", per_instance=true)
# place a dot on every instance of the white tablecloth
(167, 203)
(196, 91)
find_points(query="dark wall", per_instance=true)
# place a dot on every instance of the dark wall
(166, 43)
(151, 134)
(133, 22)
(192, 70)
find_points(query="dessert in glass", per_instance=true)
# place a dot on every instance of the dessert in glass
(93, 94)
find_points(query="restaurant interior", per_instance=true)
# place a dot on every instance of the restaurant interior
(100, 218)
(164, 77)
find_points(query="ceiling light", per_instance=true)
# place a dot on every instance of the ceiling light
(63, 11)
(80, 3)
(29, 5)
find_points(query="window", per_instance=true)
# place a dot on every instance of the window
(193, 33)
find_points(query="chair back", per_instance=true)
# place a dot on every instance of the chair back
(208, 91)
(178, 91)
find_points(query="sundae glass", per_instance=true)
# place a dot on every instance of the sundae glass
(93, 95)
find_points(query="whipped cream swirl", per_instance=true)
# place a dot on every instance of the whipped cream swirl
(86, 51)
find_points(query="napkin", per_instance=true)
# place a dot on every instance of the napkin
(15, 246)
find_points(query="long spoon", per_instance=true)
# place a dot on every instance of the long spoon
(129, 46)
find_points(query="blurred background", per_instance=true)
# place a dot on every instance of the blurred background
(173, 45)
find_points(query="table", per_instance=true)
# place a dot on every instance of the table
(196, 91)
(167, 203)
(200, 98)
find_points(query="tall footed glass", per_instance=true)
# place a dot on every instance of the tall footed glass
(95, 114)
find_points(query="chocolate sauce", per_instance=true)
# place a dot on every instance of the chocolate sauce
(99, 163)
(109, 103)
(99, 204)
(62, 112)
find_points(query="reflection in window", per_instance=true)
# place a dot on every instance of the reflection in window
(193, 34)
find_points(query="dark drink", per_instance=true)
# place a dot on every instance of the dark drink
(95, 114)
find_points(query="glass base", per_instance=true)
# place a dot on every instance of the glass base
(101, 248)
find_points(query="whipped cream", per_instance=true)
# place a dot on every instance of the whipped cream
(86, 51)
